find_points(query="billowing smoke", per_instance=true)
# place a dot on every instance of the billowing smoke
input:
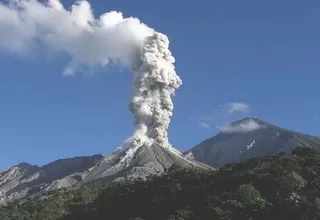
(155, 82)
(28, 25)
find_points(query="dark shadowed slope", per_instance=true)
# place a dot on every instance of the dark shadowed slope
(235, 146)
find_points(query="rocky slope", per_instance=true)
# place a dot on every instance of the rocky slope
(139, 163)
(238, 143)
(281, 187)
(26, 180)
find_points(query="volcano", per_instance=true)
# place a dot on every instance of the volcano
(249, 138)
(141, 163)
(25, 180)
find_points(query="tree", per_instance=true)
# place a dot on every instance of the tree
(247, 194)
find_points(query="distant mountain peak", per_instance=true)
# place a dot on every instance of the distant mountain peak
(25, 179)
(25, 165)
(74, 160)
(250, 119)
(243, 125)
(248, 138)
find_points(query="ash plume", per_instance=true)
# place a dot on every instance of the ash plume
(155, 81)
(28, 26)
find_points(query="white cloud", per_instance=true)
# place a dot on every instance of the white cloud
(204, 125)
(27, 26)
(244, 126)
(234, 107)
(224, 114)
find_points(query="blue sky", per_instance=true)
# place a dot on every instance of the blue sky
(261, 53)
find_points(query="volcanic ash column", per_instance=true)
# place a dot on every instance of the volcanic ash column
(154, 83)
(33, 26)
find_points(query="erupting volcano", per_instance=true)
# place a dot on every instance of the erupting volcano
(148, 151)
(30, 26)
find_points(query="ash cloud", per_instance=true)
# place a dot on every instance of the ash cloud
(26, 24)
(154, 84)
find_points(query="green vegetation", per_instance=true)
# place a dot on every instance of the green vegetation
(279, 187)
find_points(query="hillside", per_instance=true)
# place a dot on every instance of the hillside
(25, 180)
(230, 146)
(236, 143)
(276, 187)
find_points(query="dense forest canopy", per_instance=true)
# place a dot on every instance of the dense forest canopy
(277, 187)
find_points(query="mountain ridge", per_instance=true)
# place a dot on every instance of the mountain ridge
(274, 187)
(25, 180)
(234, 146)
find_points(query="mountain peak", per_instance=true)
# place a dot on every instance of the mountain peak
(244, 125)
(253, 121)
(25, 180)
(248, 138)
(25, 165)
(248, 119)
